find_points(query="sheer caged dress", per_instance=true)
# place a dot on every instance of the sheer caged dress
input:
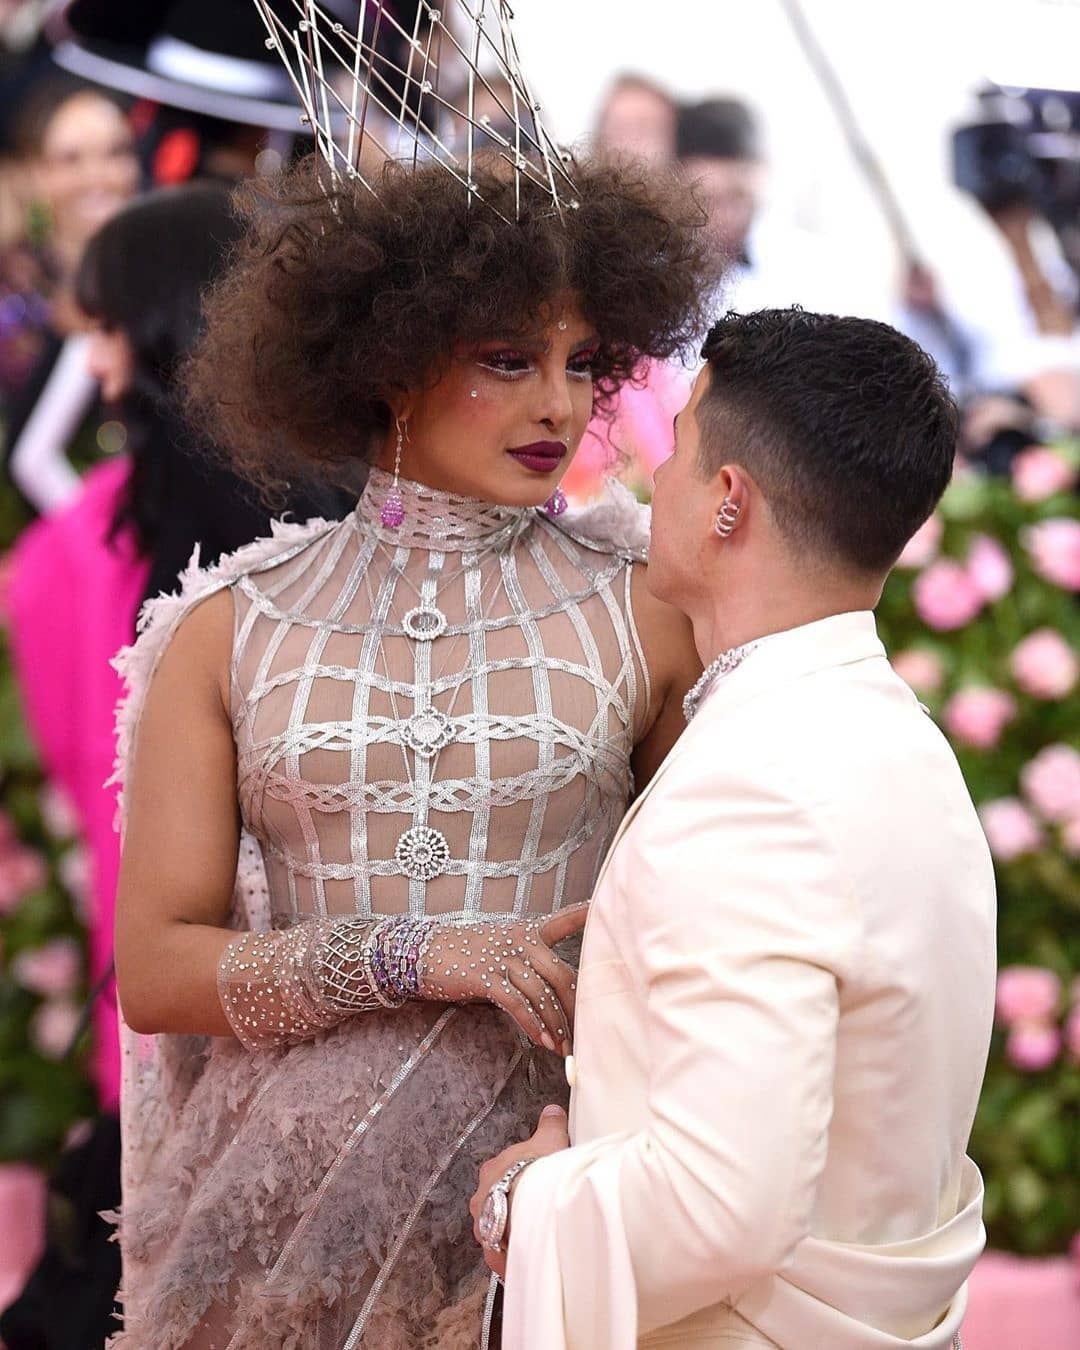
(435, 720)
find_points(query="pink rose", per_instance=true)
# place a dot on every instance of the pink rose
(1039, 473)
(946, 597)
(1027, 994)
(50, 970)
(53, 1027)
(979, 716)
(1054, 546)
(57, 812)
(1051, 782)
(1072, 1033)
(922, 547)
(21, 871)
(74, 869)
(920, 668)
(989, 567)
(1033, 1046)
(1011, 830)
(1044, 665)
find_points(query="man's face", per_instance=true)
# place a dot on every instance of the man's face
(730, 190)
(683, 511)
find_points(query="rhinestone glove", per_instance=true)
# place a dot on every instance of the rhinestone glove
(285, 986)
(511, 965)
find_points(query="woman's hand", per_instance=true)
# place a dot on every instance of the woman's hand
(511, 965)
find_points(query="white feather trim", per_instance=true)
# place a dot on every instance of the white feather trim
(616, 523)
(159, 618)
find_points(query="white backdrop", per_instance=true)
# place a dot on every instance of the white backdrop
(910, 68)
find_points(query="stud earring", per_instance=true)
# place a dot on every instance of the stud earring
(728, 518)
(393, 509)
(556, 504)
(474, 393)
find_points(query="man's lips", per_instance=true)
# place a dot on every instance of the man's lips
(541, 456)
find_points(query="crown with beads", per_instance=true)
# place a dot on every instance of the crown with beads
(417, 82)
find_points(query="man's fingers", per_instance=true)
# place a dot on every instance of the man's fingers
(563, 924)
(551, 1133)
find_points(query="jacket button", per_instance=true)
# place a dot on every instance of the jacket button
(571, 1070)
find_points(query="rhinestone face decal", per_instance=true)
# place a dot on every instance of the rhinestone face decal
(425, 625)
(427, 732)
(422, 853)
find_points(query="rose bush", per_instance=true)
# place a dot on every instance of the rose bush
(982, 620)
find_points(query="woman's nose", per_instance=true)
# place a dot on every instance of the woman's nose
(558, 406)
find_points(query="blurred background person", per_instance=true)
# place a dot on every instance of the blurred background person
(78, 162)
(79, 576)
(637, 117)
(767, 262)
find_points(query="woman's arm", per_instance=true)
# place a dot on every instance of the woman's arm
(674, 666)
(180, 846)
(179, 969)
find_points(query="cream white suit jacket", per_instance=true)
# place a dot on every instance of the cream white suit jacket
(783, 1016)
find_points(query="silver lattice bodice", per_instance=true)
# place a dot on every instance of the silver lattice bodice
(437, 718)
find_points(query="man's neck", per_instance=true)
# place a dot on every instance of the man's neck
(721, 625)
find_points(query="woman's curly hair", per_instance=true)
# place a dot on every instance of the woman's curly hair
(336, 302)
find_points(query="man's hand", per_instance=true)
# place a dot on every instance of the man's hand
(551, 1137)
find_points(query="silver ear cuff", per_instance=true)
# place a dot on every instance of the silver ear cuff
(728, 518)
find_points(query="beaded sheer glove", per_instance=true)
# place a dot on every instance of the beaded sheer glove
(288, 985)
(511, 965)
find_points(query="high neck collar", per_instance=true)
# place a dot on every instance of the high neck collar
(435, 520)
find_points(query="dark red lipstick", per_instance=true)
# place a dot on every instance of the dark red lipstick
(541, 456)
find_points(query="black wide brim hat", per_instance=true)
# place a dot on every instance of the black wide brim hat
(205, 56)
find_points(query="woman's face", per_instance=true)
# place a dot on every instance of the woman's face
(88, 168)
(505, 420)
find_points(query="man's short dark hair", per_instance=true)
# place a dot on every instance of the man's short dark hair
(717, 128)
(845, 425)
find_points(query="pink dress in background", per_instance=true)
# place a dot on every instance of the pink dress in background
(72, 601)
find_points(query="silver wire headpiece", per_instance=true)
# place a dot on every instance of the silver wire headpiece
(449, 89)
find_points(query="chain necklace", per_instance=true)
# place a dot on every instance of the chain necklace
(422, 852)
(724, 664)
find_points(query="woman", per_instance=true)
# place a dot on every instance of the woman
(82, 168)
(424, 724)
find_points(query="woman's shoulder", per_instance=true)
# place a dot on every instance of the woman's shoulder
(616, 524)
(202, 606)
(196, 584)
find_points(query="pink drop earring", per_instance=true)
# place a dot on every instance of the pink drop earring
(392, 514)
(556, 504)
(728, 518)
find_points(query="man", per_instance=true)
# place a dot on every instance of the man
(767, 261)
(787, 982)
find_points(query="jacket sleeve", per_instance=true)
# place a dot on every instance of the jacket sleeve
(736, 925)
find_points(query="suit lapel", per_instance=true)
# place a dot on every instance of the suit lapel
(643, 796)
(839, 640)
